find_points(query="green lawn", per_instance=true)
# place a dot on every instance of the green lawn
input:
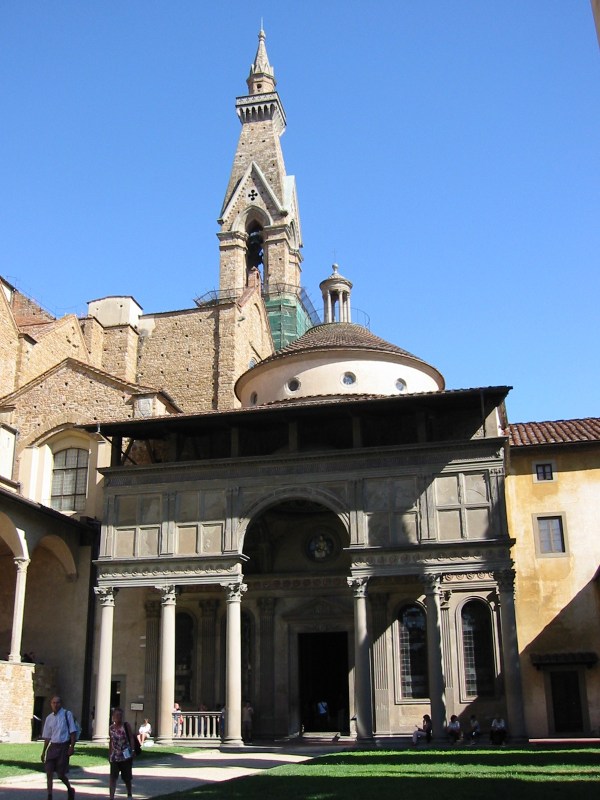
(17, 759)
(462, 774)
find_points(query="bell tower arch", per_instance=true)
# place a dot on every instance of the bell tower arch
(259, 221)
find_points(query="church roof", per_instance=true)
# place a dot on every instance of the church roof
(340, 336)
(562, 431)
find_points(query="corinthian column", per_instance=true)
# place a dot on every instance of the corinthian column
(106, 595)
(166, 684)
(511, 663)
(434, 654)
(362, 661)
(18, 609)
(233, 673)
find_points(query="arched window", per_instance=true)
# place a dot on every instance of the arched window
(69, 479)
(254, 250)
(478, 649)
(412, 627)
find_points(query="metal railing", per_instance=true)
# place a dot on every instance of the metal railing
(198, 725)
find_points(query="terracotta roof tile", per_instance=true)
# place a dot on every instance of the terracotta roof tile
(343, 335)
(562, 431)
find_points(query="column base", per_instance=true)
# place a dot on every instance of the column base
(229, 744)
(103, 740)
(15, 658)
(165, 741)
(365, 739)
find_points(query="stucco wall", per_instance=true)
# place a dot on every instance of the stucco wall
(557, 599)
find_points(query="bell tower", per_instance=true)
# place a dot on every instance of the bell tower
(260, 225)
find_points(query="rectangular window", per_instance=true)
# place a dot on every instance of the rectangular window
(551, 539)
(69, 479)
(544, 472)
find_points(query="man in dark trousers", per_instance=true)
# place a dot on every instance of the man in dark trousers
(59, 734)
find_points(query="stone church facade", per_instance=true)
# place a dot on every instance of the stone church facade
(239, 501)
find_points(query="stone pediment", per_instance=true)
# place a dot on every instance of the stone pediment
(252, 179)
(320, 608)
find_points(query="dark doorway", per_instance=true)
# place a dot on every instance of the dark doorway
(323, 663)
(566, 702)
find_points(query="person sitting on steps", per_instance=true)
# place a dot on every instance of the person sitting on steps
(426, 732)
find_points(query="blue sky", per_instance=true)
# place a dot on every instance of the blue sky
(446, 154)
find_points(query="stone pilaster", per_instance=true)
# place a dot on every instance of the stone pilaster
(208, 644)
(511, 664)
(379, 606)
(266, 606)
(151, 661)
(445, 597)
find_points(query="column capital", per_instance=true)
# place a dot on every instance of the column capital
(358, 585)
(169, 594)
(445, 595)
(235, 590)
(379, 600)
(106, 594)
(505, 578)
(152, 608)
(208, 607)
(22, 563)
(266, 605)
(432, 584)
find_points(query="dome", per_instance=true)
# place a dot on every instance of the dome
(336, 359)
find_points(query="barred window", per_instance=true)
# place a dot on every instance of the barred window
(412, 626)
(69, 480)
(478, 649)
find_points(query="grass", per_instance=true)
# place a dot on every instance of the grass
(536, 773)
(507, 774)
(19, 759)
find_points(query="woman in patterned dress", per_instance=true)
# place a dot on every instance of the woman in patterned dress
(120, 752)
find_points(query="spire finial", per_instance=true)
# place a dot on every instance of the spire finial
(262, 75)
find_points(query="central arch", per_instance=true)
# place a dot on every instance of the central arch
(296, 566)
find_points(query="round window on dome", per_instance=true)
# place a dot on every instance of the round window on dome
(401, 385)
(253, 399)
(293, 385)
(348, 378)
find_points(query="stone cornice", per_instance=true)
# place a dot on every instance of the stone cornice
(473, 558)
(412, 459)
(179, 572)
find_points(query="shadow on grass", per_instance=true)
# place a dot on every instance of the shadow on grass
(390, 788)
(469, 757)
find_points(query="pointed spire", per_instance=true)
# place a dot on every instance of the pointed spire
(261, 79)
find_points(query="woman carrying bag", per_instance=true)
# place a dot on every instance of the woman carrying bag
(121, 749)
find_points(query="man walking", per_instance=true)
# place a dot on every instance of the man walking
(59, 736)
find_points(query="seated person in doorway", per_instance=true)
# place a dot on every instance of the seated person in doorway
(498, 730)
(475, 729)
(144, 732)
(426, 732)
(247, 713)
(453, 729)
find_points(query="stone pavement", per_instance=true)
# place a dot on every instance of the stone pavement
(177, 773)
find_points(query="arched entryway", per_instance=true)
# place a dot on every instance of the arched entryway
(296, 571)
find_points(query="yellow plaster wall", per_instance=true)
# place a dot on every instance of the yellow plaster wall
(557, 598)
